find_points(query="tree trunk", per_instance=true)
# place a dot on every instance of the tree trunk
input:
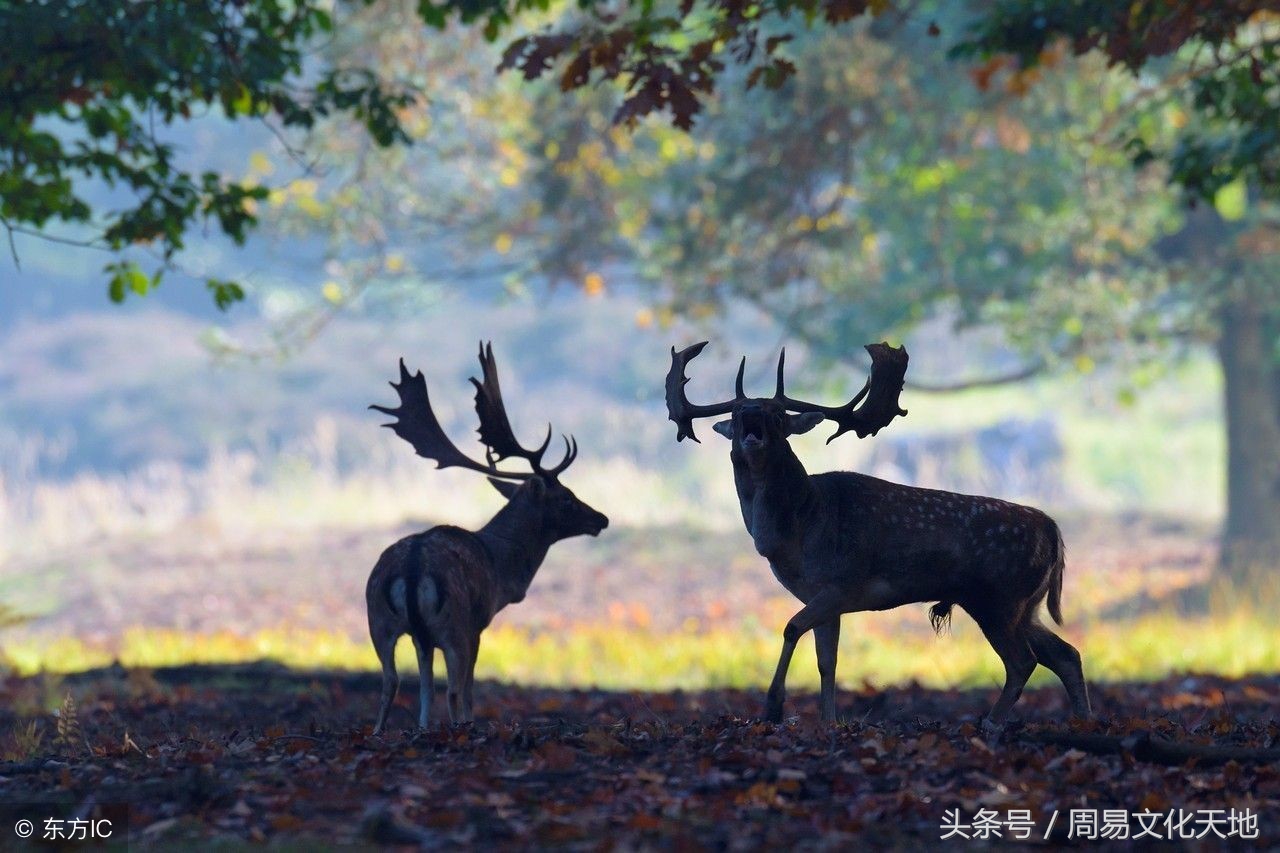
(1251, 536)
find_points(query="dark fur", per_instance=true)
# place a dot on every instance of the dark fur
(456, 581)
(843, 542)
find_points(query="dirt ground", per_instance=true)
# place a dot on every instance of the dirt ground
(235, 755)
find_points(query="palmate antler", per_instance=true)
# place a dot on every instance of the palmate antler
(495, 428)
(679, 409)
(879, 396)
(417, 424)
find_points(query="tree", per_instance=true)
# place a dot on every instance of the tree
(1065, 272)
(407, 223)
(1201, 105)
(90, 85)
(1224, 69)
(877, 186)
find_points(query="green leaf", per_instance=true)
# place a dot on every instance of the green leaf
(243, 103)
(127, 277)
(225, 293)
(1232, 200)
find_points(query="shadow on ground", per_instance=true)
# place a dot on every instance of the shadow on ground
(261, 753)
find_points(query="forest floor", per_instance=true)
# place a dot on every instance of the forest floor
(253, 753)
(190, 737)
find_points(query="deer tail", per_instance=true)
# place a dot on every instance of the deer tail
(1056, 571)
(940, 616)
(416, 582)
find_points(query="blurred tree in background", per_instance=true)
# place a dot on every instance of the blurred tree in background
(89, 87)
(1218, 63)
(825, 160)
(873, 189)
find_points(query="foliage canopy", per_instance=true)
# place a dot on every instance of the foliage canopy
(89, 87)
(91, 84)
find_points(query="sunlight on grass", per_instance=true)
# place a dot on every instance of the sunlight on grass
(613, 656)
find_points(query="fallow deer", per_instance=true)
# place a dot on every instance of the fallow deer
(843, 542)
(443, 586)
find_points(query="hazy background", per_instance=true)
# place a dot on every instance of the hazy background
(177, 482)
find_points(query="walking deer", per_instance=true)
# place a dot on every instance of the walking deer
(443, 586)
(843, 542)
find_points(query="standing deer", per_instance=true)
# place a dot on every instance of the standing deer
(843, 542)
(443, 586)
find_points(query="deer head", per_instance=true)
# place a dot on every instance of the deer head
(564, 514)
(757, 424)
(539, 490)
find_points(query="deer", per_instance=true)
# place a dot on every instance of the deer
(443, 586)
(844, 542)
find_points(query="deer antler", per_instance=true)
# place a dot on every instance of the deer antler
(495, 427)
(879, 396)
(679, 409)
(570, 454)
(416, 423)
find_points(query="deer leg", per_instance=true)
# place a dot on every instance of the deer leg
(468, 712)
(426, 683)
(823, 607)
(826, 641)
(456, 663)
(1061, 657)
(1019, 662)
(385, 646)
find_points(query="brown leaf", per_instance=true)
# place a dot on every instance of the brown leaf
(644, 822)
(556, 756)
(577, 73)
(600, 742)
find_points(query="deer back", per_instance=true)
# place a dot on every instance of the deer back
(927, 544)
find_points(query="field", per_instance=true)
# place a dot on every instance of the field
(638, 609)
(188, 636)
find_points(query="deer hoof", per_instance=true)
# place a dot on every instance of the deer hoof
(773, 712)
(991, 728)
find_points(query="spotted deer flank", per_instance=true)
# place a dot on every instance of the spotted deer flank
(843, 542)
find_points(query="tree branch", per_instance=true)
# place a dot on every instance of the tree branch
(52, 238)
(1024, 372)
(13, 247)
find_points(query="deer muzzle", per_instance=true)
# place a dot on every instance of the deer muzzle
(597, 524)
(752, 426)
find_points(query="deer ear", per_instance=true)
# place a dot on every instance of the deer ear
(800, 424)
(725, 428)
(507, 490)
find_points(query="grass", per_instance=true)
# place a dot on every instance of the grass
(1160, 454)
(1231, 643)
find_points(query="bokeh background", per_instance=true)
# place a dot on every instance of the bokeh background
(179, 483)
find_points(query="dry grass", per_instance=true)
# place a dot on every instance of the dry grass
(264, 556)
(623, 656)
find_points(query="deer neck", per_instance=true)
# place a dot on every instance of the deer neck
(774, 494)
(517, 541)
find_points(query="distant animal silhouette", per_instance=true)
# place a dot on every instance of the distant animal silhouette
(443, 586)
(843, 542)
